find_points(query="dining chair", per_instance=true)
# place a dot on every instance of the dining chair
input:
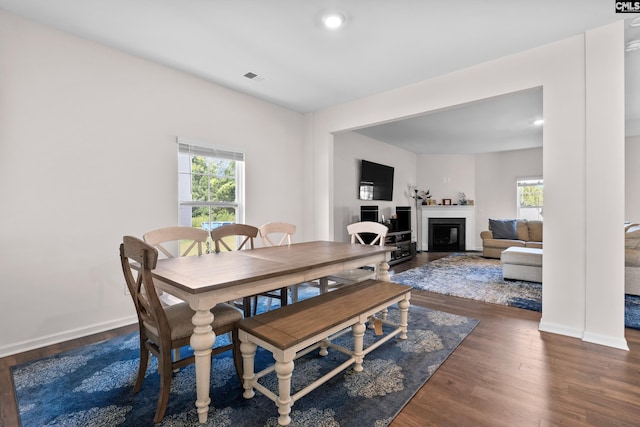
(236, 237)
(176, 241)
(364, 233)
(278, 234)
(163, 329)
(189, 237)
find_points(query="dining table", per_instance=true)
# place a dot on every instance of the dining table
(209, 279)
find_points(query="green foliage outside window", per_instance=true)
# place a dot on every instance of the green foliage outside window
(531, 196)
(212, 180)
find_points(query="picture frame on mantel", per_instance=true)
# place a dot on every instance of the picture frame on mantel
(446, 202)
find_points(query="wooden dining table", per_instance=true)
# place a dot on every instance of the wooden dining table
(206, 280)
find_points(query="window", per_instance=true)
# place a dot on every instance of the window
(530, 198)
(210, 186)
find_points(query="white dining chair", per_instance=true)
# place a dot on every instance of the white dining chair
(278, 234)
(363, 233)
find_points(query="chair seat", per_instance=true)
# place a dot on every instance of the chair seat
(179, 318)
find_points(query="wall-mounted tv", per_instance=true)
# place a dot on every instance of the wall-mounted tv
(376, 181)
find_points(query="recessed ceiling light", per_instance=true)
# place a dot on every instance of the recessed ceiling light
(333, 20)
(538, 122)
(635, 22)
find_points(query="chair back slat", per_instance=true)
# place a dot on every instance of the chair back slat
(273, 231)
(356, 231)
(245, 231)
(196, 237)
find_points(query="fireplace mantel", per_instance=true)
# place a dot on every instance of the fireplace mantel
(454, 211)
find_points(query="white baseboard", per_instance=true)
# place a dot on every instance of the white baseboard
(606, 340)
(554, 328)
(39, 342)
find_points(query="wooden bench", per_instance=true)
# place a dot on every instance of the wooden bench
(298, 329)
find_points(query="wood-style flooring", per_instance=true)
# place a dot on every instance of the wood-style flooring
(505, 373)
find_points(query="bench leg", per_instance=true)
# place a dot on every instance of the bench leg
(404, 317)
(358, 344)
(284, 370)
(323, 347)
(324, 285)
(248, 350)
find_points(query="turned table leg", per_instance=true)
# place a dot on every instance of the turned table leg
(404, 316)
(202, 341)
(358, 345)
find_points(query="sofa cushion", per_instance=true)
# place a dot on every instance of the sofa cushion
(535, 231)
(503, 243)
(523, 230)
(632, 237)
(503, 228)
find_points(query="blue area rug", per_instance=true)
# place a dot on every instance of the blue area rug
(474, 277)
(91, 386)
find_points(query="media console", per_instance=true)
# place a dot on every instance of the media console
(402, 240)
(399, 234)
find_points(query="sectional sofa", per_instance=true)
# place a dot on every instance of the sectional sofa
(506, 233)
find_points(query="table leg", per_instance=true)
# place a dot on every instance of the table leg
(404, 317)
(358, 345)
(202, 341)
(382, 271)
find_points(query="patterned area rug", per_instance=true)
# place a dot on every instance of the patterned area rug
(91, 386)
(478, 278)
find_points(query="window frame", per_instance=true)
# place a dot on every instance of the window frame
(199, 148)
(529, 182)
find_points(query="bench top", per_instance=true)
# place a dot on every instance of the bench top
(295, 323)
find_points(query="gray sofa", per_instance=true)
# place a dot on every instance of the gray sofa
(528, 235)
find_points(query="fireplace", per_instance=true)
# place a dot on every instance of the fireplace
(447, 234)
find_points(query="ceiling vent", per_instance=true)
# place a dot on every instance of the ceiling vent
(254, 77)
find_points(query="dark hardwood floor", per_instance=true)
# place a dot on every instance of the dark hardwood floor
(505, 373)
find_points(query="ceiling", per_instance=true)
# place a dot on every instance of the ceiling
(384, 45)
(501, 123)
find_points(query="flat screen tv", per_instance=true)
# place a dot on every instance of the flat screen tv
(376, 181)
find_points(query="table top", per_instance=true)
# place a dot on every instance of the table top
(204, 273)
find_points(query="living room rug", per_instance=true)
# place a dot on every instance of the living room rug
(92, 385)
(474, 277)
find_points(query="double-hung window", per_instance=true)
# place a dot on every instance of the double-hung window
(210, 186)
(530, 198)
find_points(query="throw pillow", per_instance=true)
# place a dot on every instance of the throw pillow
(504, 228)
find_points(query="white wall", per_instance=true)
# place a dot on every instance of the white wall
(88, 154)
(605, 174)
(446, 176)
(561, 68)
(349, 149)
(495, 178)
